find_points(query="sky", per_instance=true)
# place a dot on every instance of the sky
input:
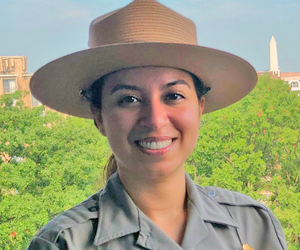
(44, 30)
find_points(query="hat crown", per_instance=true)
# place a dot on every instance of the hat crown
(142, 21)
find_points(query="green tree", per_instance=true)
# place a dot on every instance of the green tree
(49, 163)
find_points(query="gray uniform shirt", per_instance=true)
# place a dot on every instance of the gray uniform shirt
(109, 220)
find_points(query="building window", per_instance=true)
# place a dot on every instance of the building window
(34, 102)
(9, 86)
(294, 84)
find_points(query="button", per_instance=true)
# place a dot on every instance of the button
(93, 209)
(211, 194)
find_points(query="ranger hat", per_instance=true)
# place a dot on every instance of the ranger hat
(143, 33)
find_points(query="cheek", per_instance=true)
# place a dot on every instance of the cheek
(117, 126)
(188, 123)
(189, 118)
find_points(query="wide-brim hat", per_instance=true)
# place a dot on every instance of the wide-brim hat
(143, 33)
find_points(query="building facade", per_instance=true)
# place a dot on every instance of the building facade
(291, 78)
(14, 76)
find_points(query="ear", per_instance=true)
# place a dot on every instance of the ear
(98, 121)
(201, 106)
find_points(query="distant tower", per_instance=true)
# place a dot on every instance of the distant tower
(274, 57)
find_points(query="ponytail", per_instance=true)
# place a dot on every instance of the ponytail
(110, 167)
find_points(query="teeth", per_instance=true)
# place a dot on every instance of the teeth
(155, 145)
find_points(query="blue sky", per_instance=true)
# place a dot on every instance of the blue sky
(44, 30)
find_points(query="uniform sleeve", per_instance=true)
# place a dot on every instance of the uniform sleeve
(41, 244)
(278, 229)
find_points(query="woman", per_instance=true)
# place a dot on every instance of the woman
(144, 82)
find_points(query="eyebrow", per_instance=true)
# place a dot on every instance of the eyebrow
(132, 87)
(183, 82)
(124, 86)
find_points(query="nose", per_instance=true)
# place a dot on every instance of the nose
(154, 114)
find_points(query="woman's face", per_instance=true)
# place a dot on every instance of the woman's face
(151, 117)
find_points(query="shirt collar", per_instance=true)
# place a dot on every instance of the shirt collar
(208, 209)
(119, 216)
(202, 208)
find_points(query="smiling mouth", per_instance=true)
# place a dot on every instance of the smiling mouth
(155, 145)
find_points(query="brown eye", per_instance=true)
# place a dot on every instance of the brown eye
(174, 97)
(127, 100)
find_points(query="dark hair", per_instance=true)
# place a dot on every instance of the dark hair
(94, 95)
(200, 87)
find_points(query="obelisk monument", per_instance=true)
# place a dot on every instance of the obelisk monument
(274, 57)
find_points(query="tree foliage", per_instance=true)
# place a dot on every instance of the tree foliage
(49, 162)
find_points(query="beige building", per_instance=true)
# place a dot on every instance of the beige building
(14, 76)
(292, 78)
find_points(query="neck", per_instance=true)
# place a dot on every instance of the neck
(163, 201)
(157, 199)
